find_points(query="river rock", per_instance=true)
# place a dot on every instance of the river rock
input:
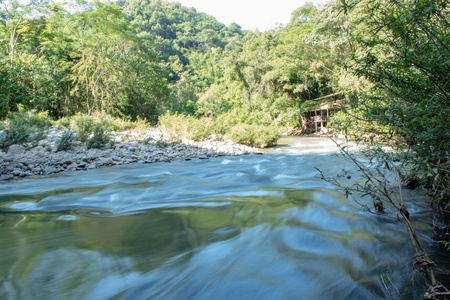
(72, 166)
(67, 161)
(28, 162)
(49, 170)
(16, 150)
(8, 158)
(6, 177)
(106, 160)
(16, 172)
(35, 149)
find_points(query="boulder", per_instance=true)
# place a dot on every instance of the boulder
(16, 150)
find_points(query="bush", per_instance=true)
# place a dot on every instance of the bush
(199, 129)
(254, 135)
(83, 125)
(65, 143)
(99, 138)
(177, 127)
(23, 127)
(226, 121)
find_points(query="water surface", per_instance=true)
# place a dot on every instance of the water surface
(249, 227)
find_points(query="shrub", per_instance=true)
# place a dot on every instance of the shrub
(99, 138)
(254, 135)
(226, 121)
(23, 127)
(65, 143)
(177, 127)
(199, 129)
(83, 125)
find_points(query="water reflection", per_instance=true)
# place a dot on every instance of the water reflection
(259, 227)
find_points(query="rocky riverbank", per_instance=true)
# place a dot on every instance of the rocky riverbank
(126, 147)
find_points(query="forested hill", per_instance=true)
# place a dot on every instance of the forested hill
(219, 71)
(191, 44)
(178, 29)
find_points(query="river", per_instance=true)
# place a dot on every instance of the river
(248, 227)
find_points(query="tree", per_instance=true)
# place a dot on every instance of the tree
(401, 50)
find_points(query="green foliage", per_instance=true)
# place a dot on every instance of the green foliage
(83, 125)
(23, 126)
(446, 245)
(87, 61)
(192, 46)
(145, 57)
(99, 138)
(65, 143)
(254, 135)
(399, 53)
(178, 127)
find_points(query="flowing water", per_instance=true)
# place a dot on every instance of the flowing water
(249, 227)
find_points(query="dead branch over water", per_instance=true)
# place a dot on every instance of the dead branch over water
(377, 185)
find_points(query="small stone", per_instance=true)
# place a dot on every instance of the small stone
(8, 158)
(72, 166)
(106, 160)
(49, 170)
(27, 162)
(6, 177)
(16, 172)
(68, 162)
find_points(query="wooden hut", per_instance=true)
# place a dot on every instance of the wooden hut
(319, 115)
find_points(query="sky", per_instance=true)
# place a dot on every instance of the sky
(249, 14)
